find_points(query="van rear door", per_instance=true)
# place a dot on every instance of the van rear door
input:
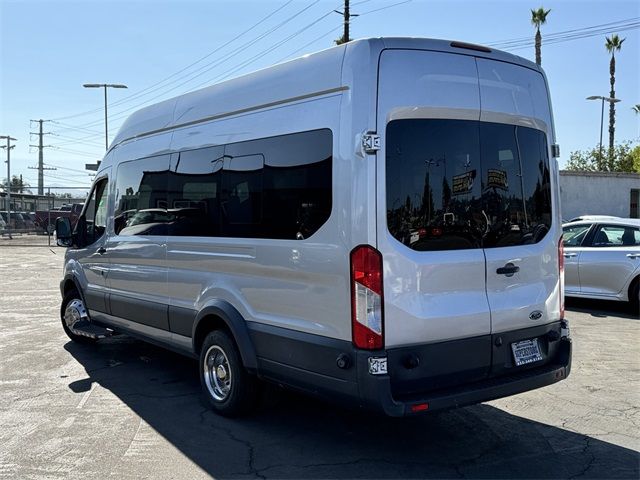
(465, 220)
(428, 221)
(523, 231)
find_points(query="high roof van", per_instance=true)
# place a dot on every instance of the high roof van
(377, 224)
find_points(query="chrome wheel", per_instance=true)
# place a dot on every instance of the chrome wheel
(74, 313)
(217, 374)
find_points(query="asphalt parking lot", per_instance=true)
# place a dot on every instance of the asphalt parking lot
(125, 409)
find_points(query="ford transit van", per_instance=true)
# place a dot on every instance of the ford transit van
(377, 224)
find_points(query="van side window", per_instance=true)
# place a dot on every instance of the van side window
(141, 197)
(194, 192)
(460, 184)
(277, 187)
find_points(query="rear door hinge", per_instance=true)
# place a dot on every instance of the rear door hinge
(555, 150)
(370, 142)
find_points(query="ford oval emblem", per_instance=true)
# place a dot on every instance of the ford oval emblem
(535, 315)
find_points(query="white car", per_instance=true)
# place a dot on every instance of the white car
(602, 259)
(594, 218)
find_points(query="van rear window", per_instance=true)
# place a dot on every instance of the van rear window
(460, 184)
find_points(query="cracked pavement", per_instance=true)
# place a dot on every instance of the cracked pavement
(125, 409)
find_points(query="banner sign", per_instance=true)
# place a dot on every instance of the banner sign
(497, 179)
(463, 184)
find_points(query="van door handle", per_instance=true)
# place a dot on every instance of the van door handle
(633, 255)
(570, 255)
(509, 269)
(101, 251)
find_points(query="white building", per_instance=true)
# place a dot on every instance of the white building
(599, 193)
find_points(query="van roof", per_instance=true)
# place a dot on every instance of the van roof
(311, 74)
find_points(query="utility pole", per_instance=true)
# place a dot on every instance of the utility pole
(8, 138)
(40, 148)
(347, 16)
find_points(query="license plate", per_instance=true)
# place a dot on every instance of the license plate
(526, 351)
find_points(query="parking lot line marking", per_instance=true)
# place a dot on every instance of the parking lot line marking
(86, 395)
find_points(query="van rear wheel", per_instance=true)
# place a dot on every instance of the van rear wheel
(229, 388)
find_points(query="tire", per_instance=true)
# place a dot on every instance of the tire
(634, 296)
(73, 309)
(229, 388)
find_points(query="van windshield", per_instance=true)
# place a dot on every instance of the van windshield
(460, 184)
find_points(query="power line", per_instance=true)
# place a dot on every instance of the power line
(567, 35)
(147, 89)
(511, 44)
(74, 140)
(337, 28)
(66, 126)
(209, 66)
(76, 152)
(384, 8)
(67, 168)
(261, 54)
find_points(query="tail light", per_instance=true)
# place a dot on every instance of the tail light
(561, 274)
(367, 319)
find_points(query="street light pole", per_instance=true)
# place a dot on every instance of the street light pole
(610, 100)
(105, 86)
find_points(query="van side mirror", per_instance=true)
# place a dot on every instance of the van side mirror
(64, 236)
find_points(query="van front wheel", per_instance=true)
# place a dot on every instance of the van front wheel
(71, 312)
(229, 388)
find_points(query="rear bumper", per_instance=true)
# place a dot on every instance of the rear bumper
(376, 391)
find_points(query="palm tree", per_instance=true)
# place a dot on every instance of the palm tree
(539, 17)
(613, 44)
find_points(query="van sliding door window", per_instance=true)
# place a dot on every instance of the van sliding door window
(459, 184)
(194, 193)
(141, 197)
(277, 187)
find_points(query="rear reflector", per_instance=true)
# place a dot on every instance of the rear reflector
(366, 298)
(419, 407)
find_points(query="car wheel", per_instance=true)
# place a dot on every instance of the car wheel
(72, 311)
(634, 296)
(227, 385)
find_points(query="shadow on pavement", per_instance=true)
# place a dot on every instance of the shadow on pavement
(601, 308)
(299, 437)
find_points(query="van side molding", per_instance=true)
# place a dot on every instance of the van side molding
(236, 325)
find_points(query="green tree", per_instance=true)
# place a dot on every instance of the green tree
(625, 158)
(340, 40)
(538, 18)
(17, 185)
(613, 44)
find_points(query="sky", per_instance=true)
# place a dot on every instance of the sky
(160, 49)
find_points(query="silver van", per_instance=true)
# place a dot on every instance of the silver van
(377, 224)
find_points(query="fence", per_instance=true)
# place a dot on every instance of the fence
(31, 220)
